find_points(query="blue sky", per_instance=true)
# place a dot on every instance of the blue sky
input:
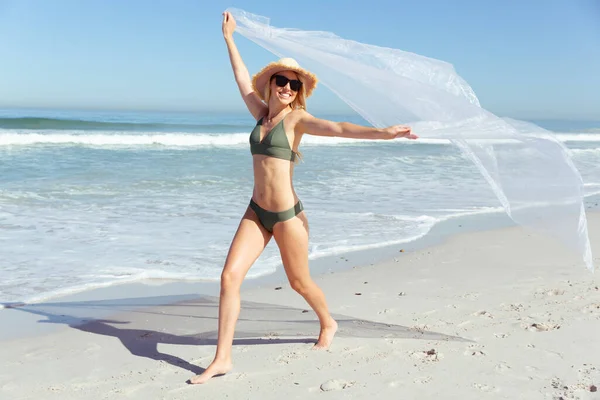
(525, 59)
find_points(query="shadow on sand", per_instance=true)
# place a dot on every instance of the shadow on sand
(142, 323)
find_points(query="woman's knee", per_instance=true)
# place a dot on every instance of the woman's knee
(302, 286)
(231, 280)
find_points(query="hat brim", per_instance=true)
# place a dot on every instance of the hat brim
(260, 80)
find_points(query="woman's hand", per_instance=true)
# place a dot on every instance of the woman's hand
(228, 25)
(398, 131)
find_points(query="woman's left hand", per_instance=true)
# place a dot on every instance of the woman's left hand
(398, 131)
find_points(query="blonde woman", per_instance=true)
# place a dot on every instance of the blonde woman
(276, 99)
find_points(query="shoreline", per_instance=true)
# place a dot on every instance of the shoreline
(171, 291)
(501, 313)
(442, 229)
(165, 291)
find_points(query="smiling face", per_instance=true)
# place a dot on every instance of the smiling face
(283, 94)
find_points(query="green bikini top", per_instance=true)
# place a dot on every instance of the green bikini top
(274, 144)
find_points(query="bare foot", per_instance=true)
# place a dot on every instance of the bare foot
(326, 336)
(215, 368)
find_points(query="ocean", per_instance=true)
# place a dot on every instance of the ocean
(96, 198)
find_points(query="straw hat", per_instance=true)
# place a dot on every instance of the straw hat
(259, 81)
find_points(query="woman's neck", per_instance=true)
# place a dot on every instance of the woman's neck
(274, 112)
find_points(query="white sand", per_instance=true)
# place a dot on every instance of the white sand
(501, 314)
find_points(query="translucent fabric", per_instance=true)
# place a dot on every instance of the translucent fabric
(529, 170)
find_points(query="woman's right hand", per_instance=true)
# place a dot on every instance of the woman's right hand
(398, 131)
(228, 25)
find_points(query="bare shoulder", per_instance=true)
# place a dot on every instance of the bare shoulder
(299, 114)
(298, 118)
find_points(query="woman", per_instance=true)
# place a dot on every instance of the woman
(276, 94)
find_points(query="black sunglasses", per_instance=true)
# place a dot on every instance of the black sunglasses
(281, 81)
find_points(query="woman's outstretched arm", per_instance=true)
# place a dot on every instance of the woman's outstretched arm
(322, 127)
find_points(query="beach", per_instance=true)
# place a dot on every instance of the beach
(498, 314)
(115, 227)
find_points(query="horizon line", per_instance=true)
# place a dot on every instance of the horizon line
(243, 111)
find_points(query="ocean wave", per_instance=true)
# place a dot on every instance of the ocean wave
(36, 123)
(179, 139)
(83, 137)
(118, 139)
(182, 139)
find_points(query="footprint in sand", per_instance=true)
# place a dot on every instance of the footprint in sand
(551, 292)
(518, 307)
(336, 384)
(555, 292)
(423, 380)
(483, 387)
(474, 350)
(501, 335)
(426, 356)
(536, 327)
(483, 313)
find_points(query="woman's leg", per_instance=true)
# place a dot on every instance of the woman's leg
(292, 238)
(248, 243)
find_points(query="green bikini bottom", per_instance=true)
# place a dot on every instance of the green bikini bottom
(268, 219)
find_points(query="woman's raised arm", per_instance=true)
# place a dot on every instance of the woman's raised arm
(255, 105)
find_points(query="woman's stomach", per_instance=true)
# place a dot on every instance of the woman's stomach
(273, 187)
